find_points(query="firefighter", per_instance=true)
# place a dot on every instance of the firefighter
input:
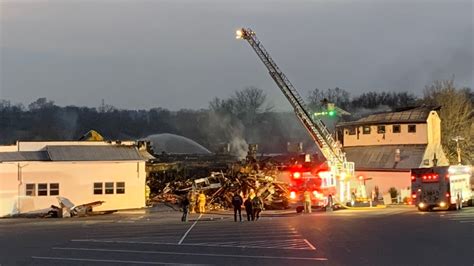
(237, 202)
(185, 206)
(248, 209)
(202, 202)
(458, 201)
(257, 207)
(192, 202)
(307, 201)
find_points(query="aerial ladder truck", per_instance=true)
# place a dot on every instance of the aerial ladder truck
(339, 168)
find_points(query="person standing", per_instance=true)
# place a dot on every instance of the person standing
(307, 201)
(248, 209)
(237, 202)
(185, 206)
(257, 207)
(192, 202)
(202, 202)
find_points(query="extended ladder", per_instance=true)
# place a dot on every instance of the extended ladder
(317, 130)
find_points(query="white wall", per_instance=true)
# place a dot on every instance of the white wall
(385, 180)
(76, 180)
(8, 189)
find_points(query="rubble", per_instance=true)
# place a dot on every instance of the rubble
(173, 177)
(219, 187)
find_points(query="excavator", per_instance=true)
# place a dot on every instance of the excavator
(340, 171)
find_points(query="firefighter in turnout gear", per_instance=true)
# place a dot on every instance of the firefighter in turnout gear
(257, 207)
(307, 201)
(202, 203)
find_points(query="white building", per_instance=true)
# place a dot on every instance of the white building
(34, 174)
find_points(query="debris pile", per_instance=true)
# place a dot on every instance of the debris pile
(219, 187)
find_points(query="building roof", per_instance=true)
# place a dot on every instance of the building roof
(412, 115)
(382, 157)
(93, 153)
(21, 156)
(76, 153)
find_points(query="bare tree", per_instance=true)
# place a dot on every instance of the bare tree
(457, 117)
(338, 96)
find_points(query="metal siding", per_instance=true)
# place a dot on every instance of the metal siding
(383, 157)
(93, 153)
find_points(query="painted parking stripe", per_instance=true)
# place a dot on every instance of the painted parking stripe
(175, 244)
(189, 230)
(195, 254)
(112, 261)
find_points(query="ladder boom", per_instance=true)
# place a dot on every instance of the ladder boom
(315, 127)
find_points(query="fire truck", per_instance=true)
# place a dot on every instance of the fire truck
(443, 187)
(317, 180)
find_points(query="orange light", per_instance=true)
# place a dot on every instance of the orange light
(292, 195)
(413, 196)
(361, 178)
(296, 175)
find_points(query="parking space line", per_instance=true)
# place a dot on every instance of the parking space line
(112, 261)
(309, 244)
(202, 244)
(189, 230)
(195, 254)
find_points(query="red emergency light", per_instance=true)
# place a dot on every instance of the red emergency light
(413, 178)
(430, 178)
(413, 196)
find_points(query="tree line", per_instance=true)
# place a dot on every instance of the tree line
(246, 116)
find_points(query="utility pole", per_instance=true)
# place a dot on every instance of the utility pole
(458, 149)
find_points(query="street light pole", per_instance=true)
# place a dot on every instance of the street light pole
(458, 149)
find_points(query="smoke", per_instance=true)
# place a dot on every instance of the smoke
(68, 123)
(224, 128)
(360, 112)
(239, 147)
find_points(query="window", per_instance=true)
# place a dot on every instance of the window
(98, 188)
(381, 129)
(109, 188)
(54, 189)
(30, 190)
(411, 128)
(396, 128)
(366, 130)
(120, 188)
(42, 189)
(352, 130)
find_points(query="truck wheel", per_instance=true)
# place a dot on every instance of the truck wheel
(470, 203)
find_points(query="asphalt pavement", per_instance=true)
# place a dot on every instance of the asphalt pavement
(392, 236)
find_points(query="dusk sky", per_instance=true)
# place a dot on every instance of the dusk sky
(180, 54)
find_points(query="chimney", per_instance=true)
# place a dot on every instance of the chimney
(397, 155)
